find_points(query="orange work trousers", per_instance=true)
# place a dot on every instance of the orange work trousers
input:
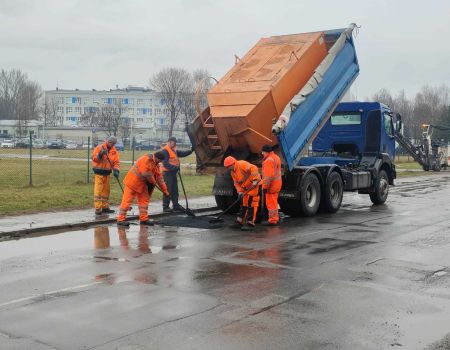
(249, 207)
(143, 199)
(101, 191)
(272, 207)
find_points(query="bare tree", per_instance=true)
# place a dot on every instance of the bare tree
(194, 96)
(110, 117)
(90, 117)
(49, 113)
(170, 83)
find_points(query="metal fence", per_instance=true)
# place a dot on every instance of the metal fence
(34, 162)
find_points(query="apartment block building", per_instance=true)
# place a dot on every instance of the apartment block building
(143, 110)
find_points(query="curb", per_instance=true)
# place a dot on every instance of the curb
(85, 224)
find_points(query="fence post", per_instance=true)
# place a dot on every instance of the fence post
(31, 157)
(88, 153)
(132, 147)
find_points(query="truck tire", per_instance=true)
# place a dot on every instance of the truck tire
(333, 193)
(381, 192)
(310, 195)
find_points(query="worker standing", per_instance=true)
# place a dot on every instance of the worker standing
(139, 182)
(247, 182)
(105, 159)
(271, 171)
(170, 168)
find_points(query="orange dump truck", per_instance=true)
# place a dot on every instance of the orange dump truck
(248, 100)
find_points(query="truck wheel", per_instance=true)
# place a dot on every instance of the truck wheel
(310, 195)
(333, 193)
(223, 202)
(381, 192)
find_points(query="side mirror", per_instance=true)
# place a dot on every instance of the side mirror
(398, 123)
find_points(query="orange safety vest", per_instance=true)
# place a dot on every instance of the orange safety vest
(173, 159)
(144, 171)
(102, 166)
(271, 170)
(243, 174)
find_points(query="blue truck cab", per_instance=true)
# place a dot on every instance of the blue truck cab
(353, 151)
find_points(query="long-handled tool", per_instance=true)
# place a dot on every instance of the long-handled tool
(188, 211)
(116, 177)
(219, 218)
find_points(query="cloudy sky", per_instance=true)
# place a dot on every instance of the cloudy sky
(85, 44)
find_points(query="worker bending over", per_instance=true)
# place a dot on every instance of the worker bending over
(139, 182)
(271, 183)
(246, 181)
(170, 168)
(105, 159)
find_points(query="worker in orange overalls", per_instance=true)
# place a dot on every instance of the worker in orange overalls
(170, 168)
(271, 171)
(105, 159)
(247, 182)
(139, 182)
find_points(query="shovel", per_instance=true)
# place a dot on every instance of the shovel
(188, 211)
(219, 218)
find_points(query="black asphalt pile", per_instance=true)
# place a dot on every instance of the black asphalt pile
(188, 221)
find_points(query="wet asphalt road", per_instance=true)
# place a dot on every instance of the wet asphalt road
(363, 278)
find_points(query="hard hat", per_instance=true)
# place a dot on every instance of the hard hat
(229, 161)
(112, 139)
(173, 138)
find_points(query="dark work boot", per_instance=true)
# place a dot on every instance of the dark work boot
(179, 208)
(167, 210)
(248, 227)
(98, 211)
(147, 222)
(123, 223)
(107, 211)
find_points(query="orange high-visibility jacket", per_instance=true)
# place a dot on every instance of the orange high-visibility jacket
(102, 166)
(271, 171)
(173, 158)
(243, 174)
(143, 172)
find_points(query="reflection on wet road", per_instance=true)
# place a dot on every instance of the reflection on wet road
(364, 278)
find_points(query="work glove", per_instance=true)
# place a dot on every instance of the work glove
(240, 195)
(116, 173)
(166, 193)
(102, 153)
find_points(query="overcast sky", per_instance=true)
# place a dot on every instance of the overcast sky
(85, 44)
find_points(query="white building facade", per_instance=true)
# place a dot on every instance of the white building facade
(143, 110)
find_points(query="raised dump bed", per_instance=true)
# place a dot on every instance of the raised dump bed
(248, 100)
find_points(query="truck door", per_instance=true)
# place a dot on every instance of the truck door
(387, 136)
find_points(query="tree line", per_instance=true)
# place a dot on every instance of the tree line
(431, 105)
(19, 98)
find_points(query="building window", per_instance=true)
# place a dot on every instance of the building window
(4, 132)
(60, 100)
(68, 109)
(139, 101)
(61, 109)
(78, 110)
(125, 101)
(140, 120)
(131, 101)
(157, 110)
(76, 100)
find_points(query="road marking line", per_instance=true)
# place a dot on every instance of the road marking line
(15, 301)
